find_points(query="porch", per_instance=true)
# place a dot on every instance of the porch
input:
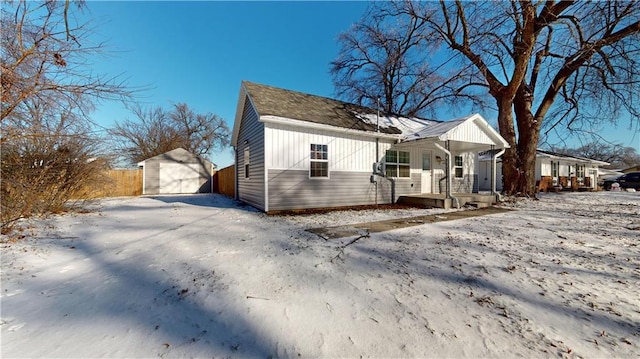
(440, 200)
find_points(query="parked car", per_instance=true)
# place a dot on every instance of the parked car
(627, 180)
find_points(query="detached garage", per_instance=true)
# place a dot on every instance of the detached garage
(176, 171)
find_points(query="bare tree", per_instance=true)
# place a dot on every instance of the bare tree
(49, 152)
(570, 50)
(155, 131)
(618, 155)
(44, 53)
(389, 58)
(46, 161)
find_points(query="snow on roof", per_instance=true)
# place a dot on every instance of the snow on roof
(436, 129)
(281, 104)
(407, 125)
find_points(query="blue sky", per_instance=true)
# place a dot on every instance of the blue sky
(199, 52)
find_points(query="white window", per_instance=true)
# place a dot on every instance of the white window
(319, 161)
(397, 164)
(247, 162)
(580, 173)
(554, 172)
(457, 167)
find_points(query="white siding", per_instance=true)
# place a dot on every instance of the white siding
(543, 167)
(288, 148)
(469, 132)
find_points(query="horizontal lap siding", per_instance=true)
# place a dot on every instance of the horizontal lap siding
(466, 184)
(251, 190)
(293, 189)
(409, 186)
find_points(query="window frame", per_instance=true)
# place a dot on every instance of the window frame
(581, 172)
(401, 160)
(318, 150)
(247, 161)
(457, 166)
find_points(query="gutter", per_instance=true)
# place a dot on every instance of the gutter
(318, 126)
(449, 183)
(493, 173)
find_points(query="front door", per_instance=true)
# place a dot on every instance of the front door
(426, 172)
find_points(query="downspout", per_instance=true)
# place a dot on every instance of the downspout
(449, 183)
(375, 170)
(493, 173)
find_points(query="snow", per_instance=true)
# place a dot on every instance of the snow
(202, 276)
(407, 125)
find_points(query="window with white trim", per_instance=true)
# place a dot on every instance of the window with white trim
(247, 162)
(397, 164)
(580, 173)
(554, 172)
(319, 161)
(457, 167)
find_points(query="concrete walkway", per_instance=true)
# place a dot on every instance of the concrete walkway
(389, 224)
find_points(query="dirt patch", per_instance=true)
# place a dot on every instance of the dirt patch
(389, 224)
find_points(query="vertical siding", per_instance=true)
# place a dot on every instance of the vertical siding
(288, 149)
(470, 132)
(350, 159)
(251, 190)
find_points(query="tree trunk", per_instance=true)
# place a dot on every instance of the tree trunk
(529, 134)
(510, 173)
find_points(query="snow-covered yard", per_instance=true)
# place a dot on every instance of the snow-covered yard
(200, 276)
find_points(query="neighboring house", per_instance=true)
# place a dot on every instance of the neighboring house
(176, 171)
(553, 170)
(298, 151)
(608, 174)
(631, 169)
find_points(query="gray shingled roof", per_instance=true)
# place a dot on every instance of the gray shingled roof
(275, 101)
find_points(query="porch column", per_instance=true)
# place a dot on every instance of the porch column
(493, 170)
(448, 173)
(494, 158)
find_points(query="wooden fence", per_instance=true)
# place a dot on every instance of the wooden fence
(118, 183)
(121, 183)
(224, 181)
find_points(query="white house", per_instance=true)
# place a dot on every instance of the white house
(298, 151)
(552, 170)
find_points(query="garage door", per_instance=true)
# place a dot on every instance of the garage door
(179, 178)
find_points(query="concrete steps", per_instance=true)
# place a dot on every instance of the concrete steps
(479, 204)
(439, 200)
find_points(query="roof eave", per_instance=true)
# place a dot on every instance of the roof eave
(242, 96)
(318, 126)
